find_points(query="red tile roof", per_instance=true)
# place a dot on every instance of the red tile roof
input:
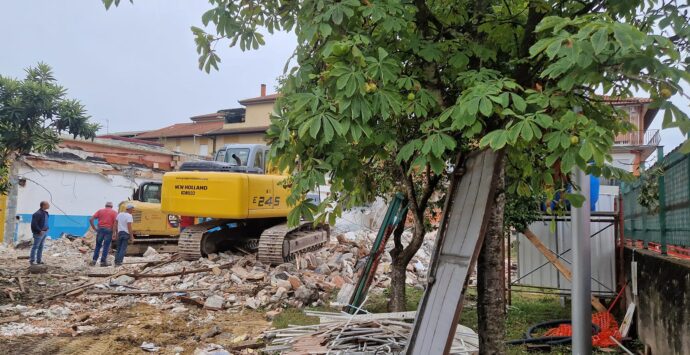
(130, 140)
(182, 130)
(260, 99)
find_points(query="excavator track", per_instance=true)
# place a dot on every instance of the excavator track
(280, 244)
(189, 244)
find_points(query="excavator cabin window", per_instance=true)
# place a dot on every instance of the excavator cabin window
(231, 155)
(151, 193)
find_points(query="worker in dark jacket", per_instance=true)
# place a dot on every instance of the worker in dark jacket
(39, 229)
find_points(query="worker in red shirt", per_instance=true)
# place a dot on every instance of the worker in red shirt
(186, 221)
(104, 233)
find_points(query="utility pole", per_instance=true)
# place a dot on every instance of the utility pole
(582, 270)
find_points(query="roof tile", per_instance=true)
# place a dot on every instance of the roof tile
(182, 130)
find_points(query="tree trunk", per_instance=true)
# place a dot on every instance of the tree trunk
(490, 280)
(398, 272)
(398, 297)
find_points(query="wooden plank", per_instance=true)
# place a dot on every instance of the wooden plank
(557, 263)
(465, 218)
(627, 320)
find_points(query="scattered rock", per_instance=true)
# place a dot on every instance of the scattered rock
(256, 276)
(234, 278)
(122, 280)
(323, 269)
(345, 294)
(214, 302)
(38, 269)
(284, 284)
(270, 315)
(215, 330)
(305, 294)
(149, 347)
(240, 338)
(213, 257)
(150, 252)
(252, 303)
(338, 281)
(295, 282)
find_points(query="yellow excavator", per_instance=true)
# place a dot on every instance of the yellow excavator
(247, 207)
(151, 227)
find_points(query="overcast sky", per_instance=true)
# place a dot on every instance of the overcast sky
(135, 66)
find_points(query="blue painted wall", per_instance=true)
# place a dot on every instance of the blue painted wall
(58, 224)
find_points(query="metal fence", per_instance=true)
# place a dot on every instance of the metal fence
(669, 225)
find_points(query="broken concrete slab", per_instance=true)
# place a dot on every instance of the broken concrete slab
(214, 302)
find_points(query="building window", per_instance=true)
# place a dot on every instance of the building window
(203, 149)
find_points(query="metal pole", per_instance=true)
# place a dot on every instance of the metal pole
(662, 200)
(582, 271)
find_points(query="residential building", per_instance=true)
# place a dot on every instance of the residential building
(633, 148)
(187, 137)
(211, 131)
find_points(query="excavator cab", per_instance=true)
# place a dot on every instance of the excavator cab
(151, 226)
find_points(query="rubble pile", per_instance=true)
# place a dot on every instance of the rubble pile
(229, 282)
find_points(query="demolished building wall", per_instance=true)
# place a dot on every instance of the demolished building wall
(75, 191)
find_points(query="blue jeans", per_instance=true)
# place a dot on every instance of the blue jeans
(37, 248)
(104, 237)
(122, 240)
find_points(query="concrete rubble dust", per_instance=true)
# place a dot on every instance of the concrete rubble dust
(224, 308)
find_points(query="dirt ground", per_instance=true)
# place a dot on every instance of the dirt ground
(90, 324)
(124, 331)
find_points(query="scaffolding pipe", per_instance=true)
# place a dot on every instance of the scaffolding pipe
(582, 271)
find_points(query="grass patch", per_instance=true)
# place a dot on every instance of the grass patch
(378, 303)
(293, 316)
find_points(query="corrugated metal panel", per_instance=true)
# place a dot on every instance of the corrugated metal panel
(535, 270)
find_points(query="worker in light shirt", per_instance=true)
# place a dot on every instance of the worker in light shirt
(123, 233)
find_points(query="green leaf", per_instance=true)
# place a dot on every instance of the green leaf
(576, 200)
(327, 131)
(437, 165)
(623, 35)
(485, 106)
(540, 46)
(325, 29)
(407, 150)
(526, 131)
(586, 151)
(459, 60)
(553, 48)
(518, 102)
(600, 40)
(315, 127)
(382, 53)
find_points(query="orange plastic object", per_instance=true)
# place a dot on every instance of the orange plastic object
(607, 325)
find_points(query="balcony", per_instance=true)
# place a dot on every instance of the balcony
(639, 138)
